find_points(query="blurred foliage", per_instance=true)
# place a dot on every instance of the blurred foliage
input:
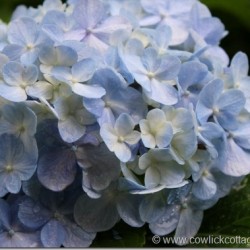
(230, 217)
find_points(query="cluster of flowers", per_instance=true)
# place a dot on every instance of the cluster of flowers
(116, 110)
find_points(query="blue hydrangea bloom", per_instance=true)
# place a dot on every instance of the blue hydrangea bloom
(117, 110)
(16, 81)
(15, 163)
(120, 136)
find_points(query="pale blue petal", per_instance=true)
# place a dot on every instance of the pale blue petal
(242, 136)
(207, 100)
(181, 119)
(20, 240)
(30, 74)
(245, 88)
(185, 144)
(119, 99)
(231, 101)
(152, 207)
(23, 31)
(171, 173)
(13, 183)
(205, 188)
(138, 71)
(70, 129)
(128, 209)
(122, 151)
(133, 138)
(109, 136)
(167, 222)
(155, 117)
(94, 106)
(227, 120)
(40, 89)
(30, 56)
(13, 51)
(113, 59)
(124, 125)
(88, 14)
(129, 174)
(149, 60)
(239, 66)
(88, 91)
(163, 93)
(12, 73)
(189, 223)
(148, 140)
(161, 38)
(192, 73)
(168, 69)
(62, 74)
(12, 93)
(83, 70)
(54, 32)
(58, 56)
(164, 135)
(152, 177)
(236, 160)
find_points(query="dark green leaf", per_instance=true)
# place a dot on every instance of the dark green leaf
(122, 235)
(230, 217)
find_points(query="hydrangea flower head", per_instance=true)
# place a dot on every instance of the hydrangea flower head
(117, 110)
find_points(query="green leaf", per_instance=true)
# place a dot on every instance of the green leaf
(122, 235)
(230, 217)
(239, 9)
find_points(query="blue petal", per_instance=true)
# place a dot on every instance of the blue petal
(205, 188)
(32, 214)
(96, 215)
(231, 101)
(12, 73)
(53, 234)
(192, 73)
(94, 175)
(152, 207)
(88, 14)
(128, 209)
(163, 93)
(77, 237)
(166, 223)
(56, 169)
(23, 31)
(239, 66)
(58, 56)
(83, 70)
(189, 223)
(236, 160)
(207, 100)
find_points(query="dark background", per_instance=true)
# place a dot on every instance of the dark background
(235, 14)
